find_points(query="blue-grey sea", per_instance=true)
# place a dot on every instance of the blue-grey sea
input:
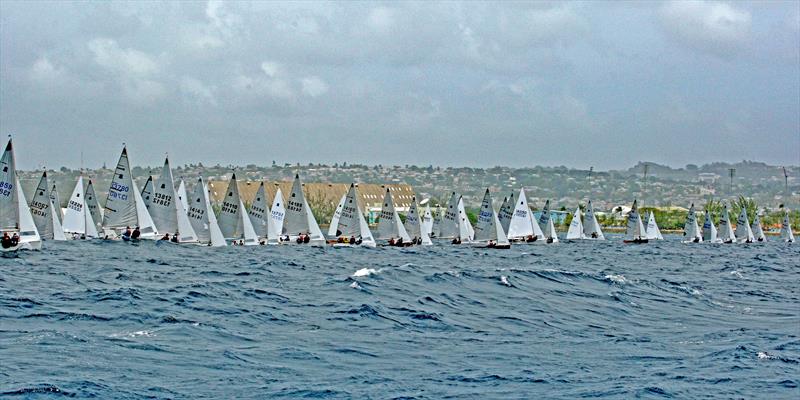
(571, 320)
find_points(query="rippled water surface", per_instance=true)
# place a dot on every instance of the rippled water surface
(665, 320)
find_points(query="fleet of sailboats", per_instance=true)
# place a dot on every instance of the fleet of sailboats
(162, 207)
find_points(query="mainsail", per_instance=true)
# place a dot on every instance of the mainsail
(335, 219)
(709, 230)
(14, 211)
(427, 221)
(258, 212)
(163, 202)
(522, 225)
(743, 232)
(41, 209)
(78, 219)
(591, 229)
(389, 224)
(414, 224)
(230, 215)
(575, 230)
(786, 228)
(506, 212)
(93, 206)
(448, 226)
(276, 215)
(488, 227)
(182, 197)
(547, 225)
(691, 232)
(299, 219)
(124, 205)
(201, 217)
(352, 222)
(57, 202)
(758, 231)
(653, 233)
(635, 230)
(465, 230)
(726, 234)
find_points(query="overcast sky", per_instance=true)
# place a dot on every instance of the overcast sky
(601, 84)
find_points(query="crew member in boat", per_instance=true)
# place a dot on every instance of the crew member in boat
(352, 240)
(165, 237)
(6, 241)
(127, 233)
(399, 242)
(14, 239)
(175, 238)
(136, 233)
(491, 244)
(391, 241)
(358, 240)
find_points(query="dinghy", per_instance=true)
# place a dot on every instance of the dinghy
(427, 223)
(277, 214)
(710, 230)
(57, 202)
(489, 232)
(725, 231)
(506, 212)
(15, 215)
(575, 231)
(332, 233)
(202, 219)
(522, 226)
(758, 231)
(635, 232)
(436, 223)
(93, 206)
(743, 232)
(653, 233)
(299, 222)
(78, 221)
(258, 214)
(124, 205)
(591, 228)
(390, 226)
(166, 209)
(691, 231)
(448, 226)
(44, 212)
(465, 230)
(786, 228)
(233, 221)
(414, 225)
(182, 196)
(352, 228)
(546, 224)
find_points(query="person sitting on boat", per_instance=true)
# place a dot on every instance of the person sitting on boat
(136, 233)
(491, 244)
(241, 242)
(696, 240)
(358, 241)
(174, 238)
(262, 242)
(530, 238)
(595, 235)
(457, 240)
(352, 240)
(306, 239)
(6, 241)
(340, 240)
(399, 242)
(391, 241)
(127, 231)
(14, 239)
(165, 237)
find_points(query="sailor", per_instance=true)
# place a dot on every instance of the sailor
(391, 241)
(136, 233)
(491, 244)
(15, 239)
(174, 238)
(358, 241)
(399, 242)
(165, 237)
(352, 240)
(340, 240)
(594, 235)
(6, 241)
(127, 232)
(306, 239)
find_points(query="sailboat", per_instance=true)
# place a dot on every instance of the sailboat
(44, 212)
(335, 219)
(758, 231)
(691, 232)
(489, 232)
(182, 196)
(233, 221)
(436, 223)
(352, 224)
(201, 217)
(522, 226)
(709, 229)
(786, 228)
(93, 207)
(743, 232)
(506, 212)
(465, 229)
(78, 219)
(546, 224)
(427, 222)
(124, 205)
(726, 234)
(167, 210)
(277, 214)
(448, 226)
(258, 214)
(575, 231)
(415, 225)
(15, 215)
(591, 229)
(635, 232)
(653, 233)
(390, 226)
(299, 221)
(59, 213)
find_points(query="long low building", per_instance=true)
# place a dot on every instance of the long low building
(323, 195)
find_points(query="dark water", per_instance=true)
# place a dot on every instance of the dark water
(666, 320)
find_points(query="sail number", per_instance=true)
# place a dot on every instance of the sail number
(5, 188)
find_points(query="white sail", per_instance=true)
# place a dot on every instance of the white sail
(93, 207)
(277, 213)
(147, 191)
(486, 227)
(389, 223)
(709, 229)
(58, 230)
(786, 228)
(258, 212)
(201, 217)
(427, 221)
(449, 224)
(299, 218)
(164, 204)
(41, 209)
(575, 231)
(506, 212)
(436, 223)
(352, 222)
(230, 215)
(146, 225)
(249, 233)
(465, 230)
(743, 232)
(691, 231)
(89, 224)
(758, 231)
(547, 225)
(9, 211)
(522, 225)
(725, 232)
(74, 218)
(591, 228)
(414, 224)
(28, 234)
(182, 196)
(122, 209)
(653, 233)
(335, 219)
(56, 202)
(635, 229)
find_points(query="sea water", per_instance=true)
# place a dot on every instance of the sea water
(585, 319)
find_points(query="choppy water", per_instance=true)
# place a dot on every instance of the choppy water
(666, 320)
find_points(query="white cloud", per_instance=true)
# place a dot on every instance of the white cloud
(129, 62)
(43, 70)
(143, 91)
(708, 26)
(271, 68)
(198, 91)
(381, 19)
(314, 86)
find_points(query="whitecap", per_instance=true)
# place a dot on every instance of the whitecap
(737, 274)
(134, 334)
(617, 278)
(763, 355)
(504, 280)
(355, 285)
(366, 272)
